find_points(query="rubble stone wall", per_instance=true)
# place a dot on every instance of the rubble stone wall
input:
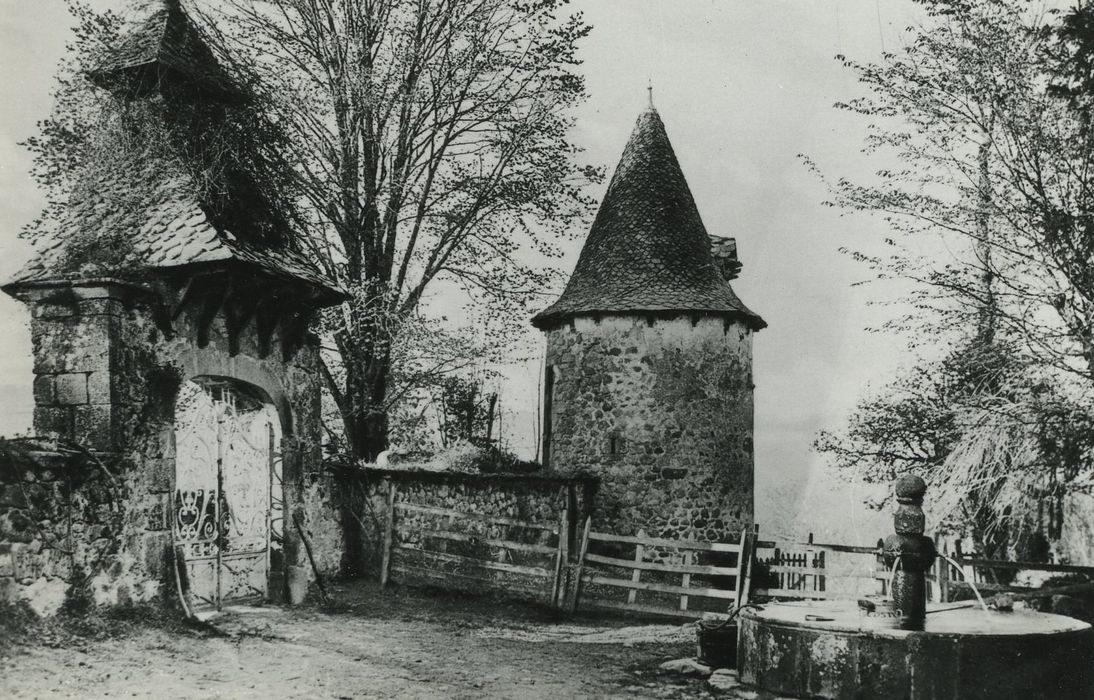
(528, 498)
(60, 521)
(660, 409)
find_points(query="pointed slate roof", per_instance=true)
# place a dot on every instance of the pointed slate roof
(647, 250)
(127, 219)
(162, 43)
(166, 229)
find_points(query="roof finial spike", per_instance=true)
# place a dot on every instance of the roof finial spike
(649, 89)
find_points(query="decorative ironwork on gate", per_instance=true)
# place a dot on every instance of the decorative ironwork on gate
(228, 501)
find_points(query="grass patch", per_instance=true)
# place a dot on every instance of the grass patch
(77, 626)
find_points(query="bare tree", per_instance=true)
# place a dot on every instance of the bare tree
(428, 143)
(994, 168)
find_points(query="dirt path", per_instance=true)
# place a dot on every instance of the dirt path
(406, 645)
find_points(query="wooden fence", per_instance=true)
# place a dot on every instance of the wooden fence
(783, 574)
(992, 575)
(678, 578)
(442, 546)
(650, 575)
(803, 571)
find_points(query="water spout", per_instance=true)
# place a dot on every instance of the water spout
(892, 574)
(967, 580)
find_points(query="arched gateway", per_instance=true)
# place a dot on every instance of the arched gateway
(171, 336)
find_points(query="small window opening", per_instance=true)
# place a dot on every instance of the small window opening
(615, 445)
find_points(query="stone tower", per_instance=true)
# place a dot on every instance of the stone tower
(649, 359)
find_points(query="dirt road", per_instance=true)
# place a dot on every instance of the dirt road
(405, 644)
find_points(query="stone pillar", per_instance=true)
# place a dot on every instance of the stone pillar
(914, 550)
(96, 384)
(78, 388)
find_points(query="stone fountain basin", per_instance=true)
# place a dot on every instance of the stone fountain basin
(965, 653)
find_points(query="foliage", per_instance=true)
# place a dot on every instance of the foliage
(990, 213)
(467, 411)
(78, 627)
(428, 145)
(131, 152)
(1000, 444)
(912, 423)
(425, 354)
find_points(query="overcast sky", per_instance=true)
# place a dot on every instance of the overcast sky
(743, 87)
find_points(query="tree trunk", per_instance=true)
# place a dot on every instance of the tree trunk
(985, 331)
(367, 359)
(370, 435)
(366, 391)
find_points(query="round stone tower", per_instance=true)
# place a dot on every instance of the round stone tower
(649, 359)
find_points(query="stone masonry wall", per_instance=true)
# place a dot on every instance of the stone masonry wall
(107, 376)
(531, 498)
(59, 520)
(662, 411)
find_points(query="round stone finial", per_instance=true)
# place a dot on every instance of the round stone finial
(910, 489)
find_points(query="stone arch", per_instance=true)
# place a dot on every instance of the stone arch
(198, 362)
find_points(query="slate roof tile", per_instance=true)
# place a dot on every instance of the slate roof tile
(170, 231)
(163, 40)
(647, 250)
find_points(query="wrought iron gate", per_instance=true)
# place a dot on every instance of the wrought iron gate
(228, 506)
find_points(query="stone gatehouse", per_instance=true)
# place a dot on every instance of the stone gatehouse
(174, 363)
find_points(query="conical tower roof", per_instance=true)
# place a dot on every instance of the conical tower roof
(162, 43)
(647, 250)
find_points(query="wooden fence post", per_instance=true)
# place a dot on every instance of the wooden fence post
(883, 578)
(685, 580)
(389, 535)
(581, 563)
(745, 559)
(636, 575)
(944, 577)
(780, 576)
(563, 553)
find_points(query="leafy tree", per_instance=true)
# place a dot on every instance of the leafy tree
(428, 145)
(990, 214)
(467, 410)
(415, 148)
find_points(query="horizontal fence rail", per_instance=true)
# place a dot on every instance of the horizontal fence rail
(419, 549)
(991, 575)
(491, 519)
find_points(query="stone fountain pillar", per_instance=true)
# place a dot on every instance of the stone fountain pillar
(914, 550)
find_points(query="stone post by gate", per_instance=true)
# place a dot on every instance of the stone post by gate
(911, 552)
